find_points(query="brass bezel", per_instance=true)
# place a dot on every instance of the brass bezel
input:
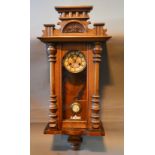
(76, 103)
(69, 52)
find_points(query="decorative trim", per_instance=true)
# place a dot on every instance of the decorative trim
(74, 27)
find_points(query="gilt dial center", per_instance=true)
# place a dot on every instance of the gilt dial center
(74, 61)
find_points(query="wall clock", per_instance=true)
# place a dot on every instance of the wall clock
(74, 55)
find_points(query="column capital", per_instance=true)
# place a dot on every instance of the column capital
(97, 48)
(51, 49)
(97, 52)
(51, 53)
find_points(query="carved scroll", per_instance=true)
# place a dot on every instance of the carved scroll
(74, 27)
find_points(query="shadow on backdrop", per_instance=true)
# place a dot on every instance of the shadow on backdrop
(105, 77)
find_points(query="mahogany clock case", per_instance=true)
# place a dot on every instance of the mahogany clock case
(74, 55)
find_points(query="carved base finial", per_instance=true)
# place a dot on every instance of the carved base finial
(75, 142)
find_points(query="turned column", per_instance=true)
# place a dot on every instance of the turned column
(95, 117)
(53, 101)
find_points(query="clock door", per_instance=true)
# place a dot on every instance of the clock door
(74, 85)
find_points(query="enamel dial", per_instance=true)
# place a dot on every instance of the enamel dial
(74, 61)
(75, 107)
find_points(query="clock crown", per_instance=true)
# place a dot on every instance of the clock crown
(73, 26)
(73, 12)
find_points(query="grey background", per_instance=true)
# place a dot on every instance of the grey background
(112, 71)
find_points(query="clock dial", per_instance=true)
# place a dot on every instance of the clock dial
(75, 107)
(74, 61)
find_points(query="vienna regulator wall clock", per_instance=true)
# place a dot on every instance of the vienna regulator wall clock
(74, 52)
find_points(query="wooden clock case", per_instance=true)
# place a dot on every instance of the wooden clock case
(66, 87)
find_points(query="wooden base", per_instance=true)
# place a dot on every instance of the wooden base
(75, 135)
(75, 132)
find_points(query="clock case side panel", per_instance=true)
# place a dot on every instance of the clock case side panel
(90, 77)
(58, 84)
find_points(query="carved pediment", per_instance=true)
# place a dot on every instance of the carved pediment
(74, 23)
(74, 27)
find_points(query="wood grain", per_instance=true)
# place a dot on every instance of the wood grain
(67, 87)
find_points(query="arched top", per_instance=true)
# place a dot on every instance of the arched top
(73, 27)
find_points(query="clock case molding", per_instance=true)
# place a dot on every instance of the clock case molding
(74, 34)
